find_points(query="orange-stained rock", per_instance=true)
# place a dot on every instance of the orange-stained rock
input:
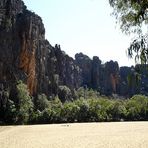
(28, 63)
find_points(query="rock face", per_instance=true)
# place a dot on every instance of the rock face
(85, 64)
(102, 77)
(26, 55)
(10, 41)
(111, 77)
(96, 74)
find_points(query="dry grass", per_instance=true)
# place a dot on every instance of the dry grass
(87, 135)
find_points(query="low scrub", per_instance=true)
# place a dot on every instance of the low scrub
(95, 110)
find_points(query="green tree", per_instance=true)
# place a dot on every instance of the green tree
(116, 110)
(10, 112)
(42, 102)
(80, 92)
(56, 108)
(70, 112)
(95, 110)
(87, 93)
(137, 108)
(83, 114)
(64, 93)
(104, 104)
(24, 105)
(132, 15)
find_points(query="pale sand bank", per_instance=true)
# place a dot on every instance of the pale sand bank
(83, 135)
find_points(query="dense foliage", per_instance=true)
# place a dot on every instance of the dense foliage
(94, 110)
(88, 106)
(18, 108)
(132, 16)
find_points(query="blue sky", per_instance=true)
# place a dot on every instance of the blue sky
(83, 26)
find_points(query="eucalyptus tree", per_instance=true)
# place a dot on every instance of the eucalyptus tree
(132, 16)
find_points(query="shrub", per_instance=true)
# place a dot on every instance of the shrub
(10, 112)
(116, 110)
(25, 104)
(64, 93)
(95, 109)
(83, 114)
(56, 107)
(137, 108)
(87, 93)
(42, 102)
(70, 112)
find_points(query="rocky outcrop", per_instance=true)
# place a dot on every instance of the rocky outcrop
(26, 55)
(101, 77)
(10, 42)
(111, 76)
(96, 74)
(109, 79)
(85, 64)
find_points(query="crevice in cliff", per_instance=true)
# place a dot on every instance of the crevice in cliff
(114, 81)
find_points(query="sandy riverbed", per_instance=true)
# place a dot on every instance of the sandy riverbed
(83, 135)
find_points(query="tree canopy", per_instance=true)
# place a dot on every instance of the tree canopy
(132, 16)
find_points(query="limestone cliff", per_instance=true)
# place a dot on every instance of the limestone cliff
(102, 77)
(26, 55)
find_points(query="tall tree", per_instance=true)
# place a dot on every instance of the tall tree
(132, 15)
(24, 104)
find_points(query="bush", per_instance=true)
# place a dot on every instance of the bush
(137, 108)
(87, 93)
(64, 93)
(116, 110)
(56, 107)
(35, 117)
(24, 105)
(42, 102)
(10, 113)
(70, 112)
(102, 113)
(83, 114)
(95, 110)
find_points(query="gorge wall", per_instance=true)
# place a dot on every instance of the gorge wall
(109, 78)
(26, 55)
